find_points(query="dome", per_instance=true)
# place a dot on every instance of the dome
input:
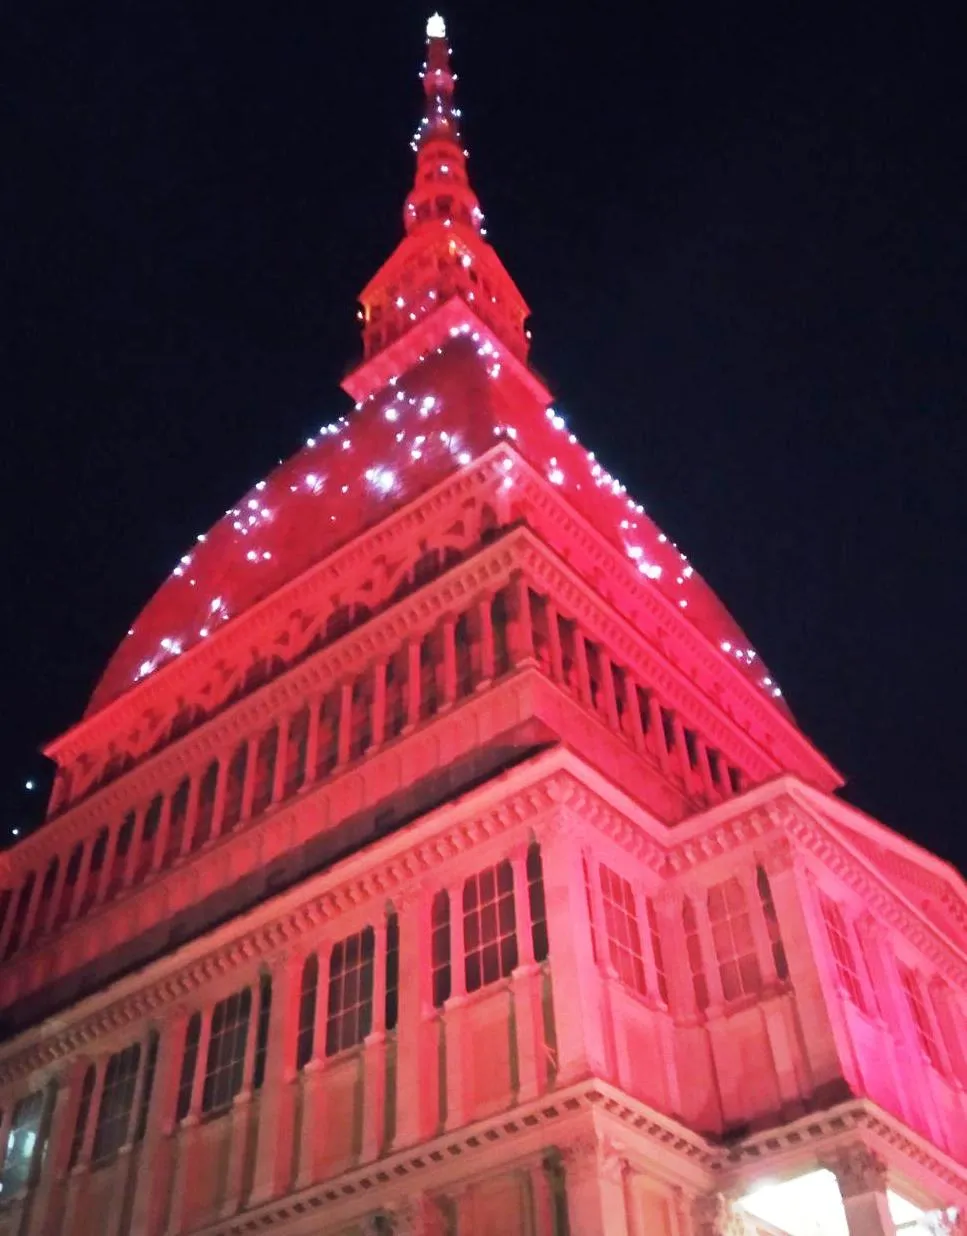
(444, 380)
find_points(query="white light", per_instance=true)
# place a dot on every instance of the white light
(436, 27)
(391, 414)
(260, 486)
(28, 785)
(463, 457)
(556, 476)
(216, 604)
(400, 302)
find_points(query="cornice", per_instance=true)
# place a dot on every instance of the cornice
(330, 572)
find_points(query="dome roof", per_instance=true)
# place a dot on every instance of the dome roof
(443, 381)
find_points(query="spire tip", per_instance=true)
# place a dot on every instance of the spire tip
(436, 27)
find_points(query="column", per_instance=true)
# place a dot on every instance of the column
(678, 970)
(187, 1166)
(83, 874)
(161, 836)
(527, 982)
(714, 1215)
(32, 905)
(345, 722)
(281, 760)
(657, 730)
(131, 862)
(447, 635)
(521, 628)
(312, 743)
(105, 878)
(244, 1112)
(412, 684)
(379, 705)
(635, 731)
(681, 749)
(485, 628)
(554, 639)
(153, 1187)
(87, 1143)
(49, 1197)
(277, 1100)
(313, 1077)
(374, 1054)
(862, 1179)
(453, 1019)
(581, 665)
(607, 688)
(594, 1176)
(705, 773)
(248, 786)
(417, 1102)
(575, 982)
(191, 812)
(218, 806)
(56, 896)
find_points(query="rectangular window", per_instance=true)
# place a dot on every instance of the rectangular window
(621, 924)
(440, 948)
(349, 1012)
(489, 926)
(24, 1144)
(114, 1114)
(226, 1051)
(392, 1003)
(262, 1031)
(696, 963)
(921, 1018)
(842, 950)
(188, 1062)
(733, 940)
(656, 949)
(537, 903)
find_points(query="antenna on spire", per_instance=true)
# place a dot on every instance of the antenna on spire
(436, 27)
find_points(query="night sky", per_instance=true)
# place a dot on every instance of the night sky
(742, 236)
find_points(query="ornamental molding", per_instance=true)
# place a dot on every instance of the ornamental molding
(296, 919)
(858, 1170)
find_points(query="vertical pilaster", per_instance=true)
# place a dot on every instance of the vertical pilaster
(191, 813)
(447, 635)
(413, 683)
(276, 1131)
(416, 1083)
(251, 772)
(33, 905)
(710, 960)
(575, 982)
(312, 743)
(581, 665)
(187, 1165)
(49, 1197)
(160, 837)
(527, 980)
(594, 1180)
(131, 861)
(379, 704)
(521, 626)
(313, 1079)
(345, 721)
(83, 875)
(554, 640)
(158, 1149)
(454, 1014)
(56, 895)
(374, 1053)
(656, 728)
(281, 759)
(221, 788)
(108, 865)
(485, 622)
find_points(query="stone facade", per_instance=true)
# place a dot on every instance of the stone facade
(488, 895)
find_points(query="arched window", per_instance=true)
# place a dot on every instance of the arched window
(621, 924)
(772, 922)
(733, 940)
(83, 1115)
(265, 758)
(297, 745)
(489, 926)
(19, 915)
(464, 650)
(224, 1067)
(117, 1101)
(308, 994)
(921, 1018)
(149, 835)
(177, 821)
(349, 1016)
(205, 811)
(189, 1061)
(235, 787)
(440, 947)
(656, 948)
(843, 956)
(537, 903)
(693, 946)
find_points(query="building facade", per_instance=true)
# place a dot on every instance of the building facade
(436, 856)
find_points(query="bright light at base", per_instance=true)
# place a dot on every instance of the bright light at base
(436, 27)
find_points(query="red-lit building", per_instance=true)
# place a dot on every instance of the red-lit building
(436, 856)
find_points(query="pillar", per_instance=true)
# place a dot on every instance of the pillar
(47, 1210)
(281, 760)
(453, 1020)
(313, 1080)
(527, 980)
(248, 785)
(379, 705)
(862, 1179)
(486, 624)
(83, 874)
(218, 806)
(657, 730)
(183, 1185)
(244, 1112)
(110, 852)
(575, 982)
(447, 634)
(594, 1176)
(276, 1132)
(160, 837)
(191, 812)
(374, 1053)
(131, 862)
(416, 1083)
(57, 894)
(345, 722)
(312, 743)
(521, 627)
(157, 1149)
(714, 1215)
(554, 640)
(413, 684)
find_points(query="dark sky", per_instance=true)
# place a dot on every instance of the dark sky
(742, 235)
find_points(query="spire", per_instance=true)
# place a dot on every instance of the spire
(441, 190)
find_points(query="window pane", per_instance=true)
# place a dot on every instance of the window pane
(489, 926)
(350, 1005)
